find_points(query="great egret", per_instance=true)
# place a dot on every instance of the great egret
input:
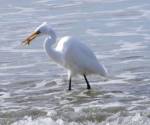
(70, 53)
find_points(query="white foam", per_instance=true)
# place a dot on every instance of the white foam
(131, 46)
(120, 34)
(136, 119)
(17, 67)
(14, 50)
(41, 84)
(103, 1)
(133, 60)
(39, 121)
(127, 75)
(4, 95)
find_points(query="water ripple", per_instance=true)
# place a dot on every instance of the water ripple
(33, 90)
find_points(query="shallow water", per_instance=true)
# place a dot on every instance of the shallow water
(33, 89)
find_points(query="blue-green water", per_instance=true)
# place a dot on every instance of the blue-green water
(33, 89)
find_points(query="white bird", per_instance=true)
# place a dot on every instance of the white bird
(70, 53)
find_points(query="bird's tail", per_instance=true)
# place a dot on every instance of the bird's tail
(107, 76)
(103, 71)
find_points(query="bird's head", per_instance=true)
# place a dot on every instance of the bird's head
(42, 29)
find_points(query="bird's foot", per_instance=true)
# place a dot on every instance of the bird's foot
(88, 87)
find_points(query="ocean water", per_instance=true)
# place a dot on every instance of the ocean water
(33, 89)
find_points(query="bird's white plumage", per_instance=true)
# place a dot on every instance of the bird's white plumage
(70, 53)
(78, 58)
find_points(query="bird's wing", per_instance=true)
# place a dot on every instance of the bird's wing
(79, 57)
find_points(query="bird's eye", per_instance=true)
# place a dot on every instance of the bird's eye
(38, 32)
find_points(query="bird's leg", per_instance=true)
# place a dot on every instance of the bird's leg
(69, 84)
(87, 82)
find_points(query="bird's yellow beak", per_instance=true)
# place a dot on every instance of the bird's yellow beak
(30, 38)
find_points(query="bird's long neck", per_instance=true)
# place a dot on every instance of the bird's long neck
(52, 53)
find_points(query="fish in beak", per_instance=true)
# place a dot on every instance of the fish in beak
(29, 39)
